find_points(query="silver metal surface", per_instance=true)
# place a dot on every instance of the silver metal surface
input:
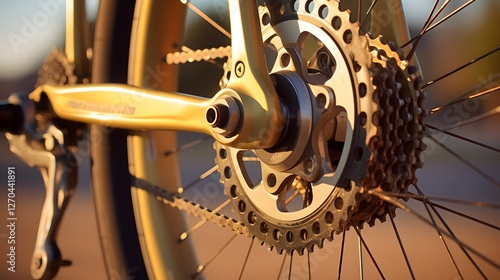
(42, 146)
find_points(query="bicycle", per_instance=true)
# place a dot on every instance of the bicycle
(318, 133)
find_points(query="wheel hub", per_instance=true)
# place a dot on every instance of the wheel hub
(297, 124)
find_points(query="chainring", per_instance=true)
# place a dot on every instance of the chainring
(353, 123)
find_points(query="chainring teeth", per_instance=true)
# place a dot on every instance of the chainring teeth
(360, 64)
(285, 238)
(400, 102)
(385, 105)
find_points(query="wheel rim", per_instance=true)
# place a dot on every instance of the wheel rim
(157, 226)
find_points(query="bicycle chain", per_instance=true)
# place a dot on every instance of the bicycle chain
(180, 203)
(189, 55)
(192, 208)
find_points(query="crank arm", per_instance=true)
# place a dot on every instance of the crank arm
(128, 107)
(46, 151)
(245, 114)
(250, 81)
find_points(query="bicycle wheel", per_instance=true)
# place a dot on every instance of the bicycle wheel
(359, 169)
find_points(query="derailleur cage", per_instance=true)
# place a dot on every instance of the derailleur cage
(43, 146)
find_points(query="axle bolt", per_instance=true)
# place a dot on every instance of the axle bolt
(223, 116)
(217, 115)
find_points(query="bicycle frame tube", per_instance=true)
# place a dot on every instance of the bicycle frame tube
(388, 19)
(77, 37)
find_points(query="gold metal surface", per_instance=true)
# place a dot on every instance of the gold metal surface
(77, 37)
(124, 106)
(130, 107)
(388, 19)
(159, 227)
(261, 124)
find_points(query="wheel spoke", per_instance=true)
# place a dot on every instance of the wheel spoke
(419, 197)
(473, 203)
(391, 216)
(246, 258)
(199, 179)
(341, 253)
(439, 22)
(309, 265)
(428, 22)
(367, 12)
(478, 204)
(476, 95)
(462, 67)
(290, 267)
(430, 18)
(360, 258)
(465, 216)
(359, 10)
(188, 232)
(292, 197)
(440, 234)
(471, 93)
(426, 202)
(430, 199)
(206, 18)
(282, 266)
(477, 118)
(463, 138)
(202, 267)
(186, 146)
(369, 253)
(466, 162)
(401, 205)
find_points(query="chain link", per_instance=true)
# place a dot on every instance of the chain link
(180, 203)
(188, 55)
(192, 208)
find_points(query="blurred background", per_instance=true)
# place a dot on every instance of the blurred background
(463, 38)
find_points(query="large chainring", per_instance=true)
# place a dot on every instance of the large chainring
(352, 123)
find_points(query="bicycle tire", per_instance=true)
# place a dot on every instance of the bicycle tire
(121, 228)
(110, 179)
